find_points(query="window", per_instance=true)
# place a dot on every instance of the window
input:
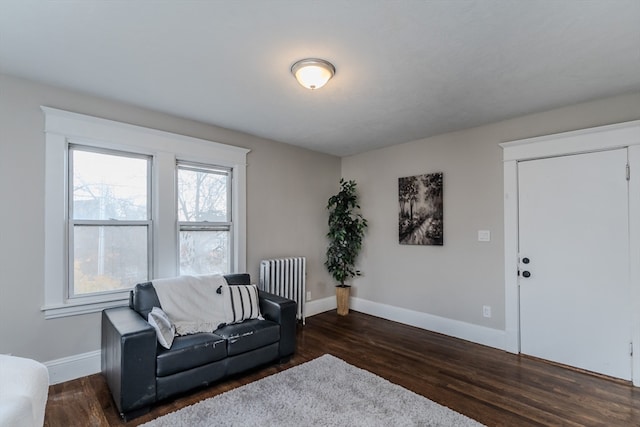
(204, 218)
(111, 216)
(109, 220)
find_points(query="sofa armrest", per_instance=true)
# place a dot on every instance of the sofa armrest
(128, 359)
(282, 311)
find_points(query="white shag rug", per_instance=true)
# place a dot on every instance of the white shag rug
(326, 391)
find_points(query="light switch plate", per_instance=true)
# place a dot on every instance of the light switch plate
(484, 236)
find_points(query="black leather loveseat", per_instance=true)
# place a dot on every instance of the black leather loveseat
(140, 372)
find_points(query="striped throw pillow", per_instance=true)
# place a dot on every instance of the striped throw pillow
(244, 303)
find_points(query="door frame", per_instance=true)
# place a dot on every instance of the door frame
(620, 135)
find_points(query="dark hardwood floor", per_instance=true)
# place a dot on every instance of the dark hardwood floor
(493, 387)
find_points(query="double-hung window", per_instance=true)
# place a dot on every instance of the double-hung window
(109, 220)
(204, 218)
(126, 204)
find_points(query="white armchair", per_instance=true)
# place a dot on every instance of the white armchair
(24, 387)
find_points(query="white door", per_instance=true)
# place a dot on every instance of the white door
(574, 233)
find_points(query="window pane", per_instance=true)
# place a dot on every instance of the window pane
(202, 195)
(108, 258)
(107, 186)
(204, 252)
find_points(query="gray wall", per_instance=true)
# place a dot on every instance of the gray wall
(287, 188)
(454, 281)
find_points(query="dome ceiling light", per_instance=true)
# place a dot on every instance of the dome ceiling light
(313, 73)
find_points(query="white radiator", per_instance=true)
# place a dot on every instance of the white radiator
(285, 277)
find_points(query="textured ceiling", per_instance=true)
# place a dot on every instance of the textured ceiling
(405, 69)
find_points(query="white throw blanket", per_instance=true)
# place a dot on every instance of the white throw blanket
(193, 303)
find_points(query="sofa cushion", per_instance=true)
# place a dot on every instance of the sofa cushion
(143, 298)
(189, 352)
(249, 335)
(238, 278)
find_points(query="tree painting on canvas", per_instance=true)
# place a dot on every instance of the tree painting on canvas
(420, 218)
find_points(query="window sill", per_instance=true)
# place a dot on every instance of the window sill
(78, 308)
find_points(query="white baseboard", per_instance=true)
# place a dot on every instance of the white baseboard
(80, 365)
(72, 367)
(478, 334)
(320, 306)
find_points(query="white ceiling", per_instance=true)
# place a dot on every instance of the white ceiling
(405, 69)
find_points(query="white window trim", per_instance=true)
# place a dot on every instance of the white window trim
(63, 127)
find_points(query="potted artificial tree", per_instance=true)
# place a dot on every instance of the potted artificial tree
(346, 231)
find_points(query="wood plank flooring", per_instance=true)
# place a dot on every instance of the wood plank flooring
(491, 386)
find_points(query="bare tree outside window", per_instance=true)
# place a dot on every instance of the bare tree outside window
(204, 218)
(109, 220)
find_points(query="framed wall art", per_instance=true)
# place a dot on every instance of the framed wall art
(421, 210)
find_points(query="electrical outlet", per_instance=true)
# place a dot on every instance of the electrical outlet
(308, 295)
(486, 310)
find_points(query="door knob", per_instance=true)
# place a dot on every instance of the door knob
(525, 260)
(526, 274)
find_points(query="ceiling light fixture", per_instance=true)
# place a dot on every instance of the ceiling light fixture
(313, 73)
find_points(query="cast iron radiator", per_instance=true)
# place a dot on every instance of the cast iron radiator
(285, 277)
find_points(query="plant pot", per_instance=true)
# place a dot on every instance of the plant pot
(342, 298)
